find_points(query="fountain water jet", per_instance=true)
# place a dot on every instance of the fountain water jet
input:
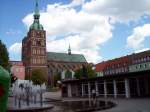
(26, 95)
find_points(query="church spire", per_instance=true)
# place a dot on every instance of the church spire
(36, 13)
(69, 50)
(36, 24)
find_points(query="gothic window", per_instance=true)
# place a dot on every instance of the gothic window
(34, 61)
(42, 43)
(32, 51)
(34, 42)
(42, 35)
(33, 34)
(39, 43)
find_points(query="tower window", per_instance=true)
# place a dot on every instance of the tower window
(39, 43)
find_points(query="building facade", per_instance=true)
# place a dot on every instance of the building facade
(17, 69)
(34, 55)
(59, 62)
(34, 47)
(127, 76)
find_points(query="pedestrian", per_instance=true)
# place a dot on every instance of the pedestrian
(93, 94)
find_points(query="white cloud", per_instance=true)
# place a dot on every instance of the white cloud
(139, 34)
(85, 31)
(141, 50)
(76, 3)
(119, 10)
(15, 51)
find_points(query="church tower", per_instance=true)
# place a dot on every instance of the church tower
(34, 47)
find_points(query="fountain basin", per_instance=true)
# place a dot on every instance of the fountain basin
(31, 108)
(83, 106)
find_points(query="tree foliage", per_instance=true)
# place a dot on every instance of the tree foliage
(4, 58)
(68, 74)
(78, 74)
(90, 72)
(85, 72)
(38, 77)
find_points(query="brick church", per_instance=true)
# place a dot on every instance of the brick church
(35, 56)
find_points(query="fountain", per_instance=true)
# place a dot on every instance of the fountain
(27, 96)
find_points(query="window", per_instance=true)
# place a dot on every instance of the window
(39, 43)
(35, 61)
(140, 66)
(42, 43)
(33, 34)
(34, 42)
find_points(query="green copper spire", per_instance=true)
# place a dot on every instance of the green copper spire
(36, 8)
(36, 24)
(69, 50)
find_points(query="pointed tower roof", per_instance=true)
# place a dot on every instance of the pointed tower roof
(36, 12)
(69, 50)
(36, 24)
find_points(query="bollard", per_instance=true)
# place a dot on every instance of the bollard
(4, 88)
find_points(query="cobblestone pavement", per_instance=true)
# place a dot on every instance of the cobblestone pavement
(130, 105)
(123, 105)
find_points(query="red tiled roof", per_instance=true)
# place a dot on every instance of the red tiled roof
(125, 59)
(118, 61)
(100, 66)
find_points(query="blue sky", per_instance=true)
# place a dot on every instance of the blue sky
(99, 29)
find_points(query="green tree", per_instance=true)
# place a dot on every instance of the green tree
(85, 72)
(90, 72)
(68, 74)
(78, 74)
(38, 77)
(4, 58)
